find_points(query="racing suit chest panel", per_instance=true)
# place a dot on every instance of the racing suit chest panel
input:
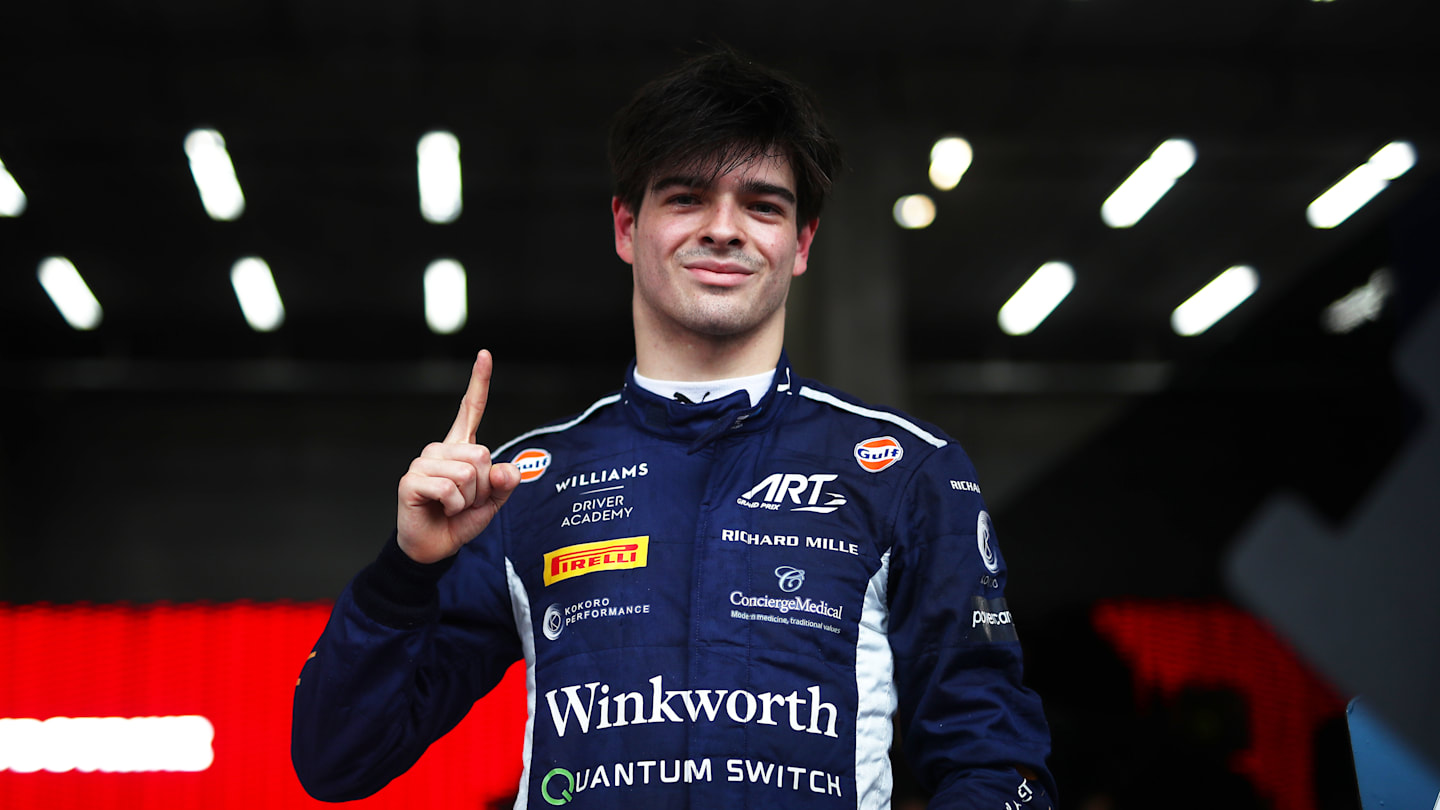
(700, 603)
(603, 549)
(787, 548)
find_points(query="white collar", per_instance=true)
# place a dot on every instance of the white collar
(756, 385)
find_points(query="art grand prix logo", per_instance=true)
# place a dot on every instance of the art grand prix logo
(874, 455)
(533, 462)
(801, 493)
(587, 558)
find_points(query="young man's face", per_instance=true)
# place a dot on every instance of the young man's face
(714, 258)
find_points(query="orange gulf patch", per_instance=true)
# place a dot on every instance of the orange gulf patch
(874, 455)
(533, 463)
(587, 558)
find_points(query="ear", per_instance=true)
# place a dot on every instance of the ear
(624, 230)
(802, 246)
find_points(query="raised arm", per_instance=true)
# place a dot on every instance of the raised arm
(453, 490)
(394, 671)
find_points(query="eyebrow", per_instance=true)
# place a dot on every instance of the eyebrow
(753, 187)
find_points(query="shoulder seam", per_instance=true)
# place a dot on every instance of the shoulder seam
(884, 416)
(595, 406)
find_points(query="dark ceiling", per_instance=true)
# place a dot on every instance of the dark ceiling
(322, 104)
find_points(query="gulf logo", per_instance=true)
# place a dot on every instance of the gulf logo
(876, 454)
(533, 462)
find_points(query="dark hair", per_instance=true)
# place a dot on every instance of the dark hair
(713, 113)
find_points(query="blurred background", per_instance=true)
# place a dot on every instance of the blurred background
(1218, 520)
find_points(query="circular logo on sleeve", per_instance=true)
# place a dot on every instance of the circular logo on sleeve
(985, 537)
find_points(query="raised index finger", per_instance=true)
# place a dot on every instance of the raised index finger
(472, 406)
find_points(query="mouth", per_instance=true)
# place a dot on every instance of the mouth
(719, 274)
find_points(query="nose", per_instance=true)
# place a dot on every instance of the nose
(722, 227)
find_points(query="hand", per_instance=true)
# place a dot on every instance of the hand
(453, 491)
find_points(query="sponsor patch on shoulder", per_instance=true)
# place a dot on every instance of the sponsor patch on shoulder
(874, 455)
(533, 462)
(990, 620)
(985, 539)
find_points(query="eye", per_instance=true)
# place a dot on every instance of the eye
(684, 198)
(769, 209)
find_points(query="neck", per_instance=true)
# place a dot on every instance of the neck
(679, 354)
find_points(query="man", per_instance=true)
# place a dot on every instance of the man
(725, 581)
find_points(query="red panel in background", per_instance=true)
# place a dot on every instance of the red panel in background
(1174, 645)
(236, 665)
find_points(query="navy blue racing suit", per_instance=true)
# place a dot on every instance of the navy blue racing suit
(717, 604)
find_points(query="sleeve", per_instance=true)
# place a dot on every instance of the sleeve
(398, 665)
(966, 720)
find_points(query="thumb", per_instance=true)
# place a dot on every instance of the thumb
(504, 478)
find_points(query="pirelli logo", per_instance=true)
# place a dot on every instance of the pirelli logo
(587, 558)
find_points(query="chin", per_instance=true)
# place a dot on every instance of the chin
(718, 331)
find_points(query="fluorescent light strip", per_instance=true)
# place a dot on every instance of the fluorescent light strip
(1214, 301)
(12, 197)
(1037, 298)
(1360, 305)
(949, 158)
(259, 298)
(438, 156)
(445, 306)
(914, 211)
(214, 175)
(106, 744)
(1133, 198)
(71, 295)
(1359, 186)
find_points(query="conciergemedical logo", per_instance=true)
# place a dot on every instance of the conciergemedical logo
(790, 578)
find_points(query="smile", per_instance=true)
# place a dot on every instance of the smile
(719, 274)
(727, 276)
